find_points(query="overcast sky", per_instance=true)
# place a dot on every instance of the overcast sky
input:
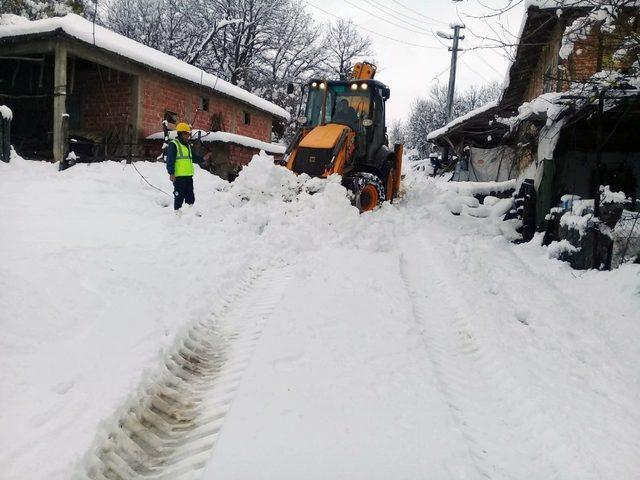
(410, 70)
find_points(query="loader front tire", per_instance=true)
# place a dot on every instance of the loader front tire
(368, 191)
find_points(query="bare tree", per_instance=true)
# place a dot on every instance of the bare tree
(37, 9)
(161, 24)
(613, 22)
(397, 132)
(345, 46)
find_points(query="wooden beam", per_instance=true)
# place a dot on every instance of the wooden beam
(59, 102)
(32, 47)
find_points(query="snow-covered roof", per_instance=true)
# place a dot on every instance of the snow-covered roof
(82, 29)
(227, 137)
(461, 119)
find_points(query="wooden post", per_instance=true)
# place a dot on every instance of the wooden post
(59, 101)
(5, 139)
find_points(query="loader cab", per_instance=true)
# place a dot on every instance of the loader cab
(358, 104)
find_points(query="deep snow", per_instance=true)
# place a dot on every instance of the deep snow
(409, 343)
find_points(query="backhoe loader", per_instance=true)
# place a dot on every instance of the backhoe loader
(342, 131)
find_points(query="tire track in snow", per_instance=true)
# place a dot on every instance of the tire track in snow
(507, 435)
(171, 426)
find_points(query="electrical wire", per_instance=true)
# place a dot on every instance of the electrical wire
(483, 60)
(419, 32)
(394, 14)
(371, 31)
(110, 113)
(473, 70)
(418, 13)
(448, 68)
(147, 181)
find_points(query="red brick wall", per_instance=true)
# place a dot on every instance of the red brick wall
(104, 98)
(240, 154)
(583, 61)
(580, 65)
(162, 93)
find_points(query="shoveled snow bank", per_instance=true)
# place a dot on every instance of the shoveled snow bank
(481, 188)
(83, 30)
(227, 137)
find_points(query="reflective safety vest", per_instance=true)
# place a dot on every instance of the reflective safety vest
(184, 161)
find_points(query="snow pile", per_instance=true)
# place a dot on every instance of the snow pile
(458, 199)
(482, 188)
(556, 249)
(581, 223)
(607, 196)
(5, 112)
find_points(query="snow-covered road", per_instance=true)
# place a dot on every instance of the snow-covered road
(404, 343)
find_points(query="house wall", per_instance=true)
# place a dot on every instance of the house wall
(101, 98)
(552, 74)
(160, 94)
(547, 64)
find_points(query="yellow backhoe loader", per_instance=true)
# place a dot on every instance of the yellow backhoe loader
(343, 131)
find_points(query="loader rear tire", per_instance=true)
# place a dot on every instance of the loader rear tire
(368, 191)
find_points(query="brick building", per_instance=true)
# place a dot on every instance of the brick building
(73, 86)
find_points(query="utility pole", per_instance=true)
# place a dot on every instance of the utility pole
(456, 37)
(454, 49)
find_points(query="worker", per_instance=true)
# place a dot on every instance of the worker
(180, 159)
(345, 114)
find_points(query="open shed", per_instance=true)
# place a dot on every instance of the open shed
(75, 85)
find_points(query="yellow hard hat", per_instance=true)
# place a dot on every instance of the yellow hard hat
(183, 127)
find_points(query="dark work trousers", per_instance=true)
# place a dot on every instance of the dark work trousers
(183, 192)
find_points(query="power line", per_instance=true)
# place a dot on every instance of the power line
(418, 13)
(371, 31)
(147, 181)
(474, 71)
(447, 69)
(385, 20)
(420, 24)
(483, 60)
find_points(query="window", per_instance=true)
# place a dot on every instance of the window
(346, 104)
(204, 104)
(247, 117)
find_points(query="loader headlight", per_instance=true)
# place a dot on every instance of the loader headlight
(364, 86)
(314, 84)
(302, 120)
(323, 86)
(354, 86)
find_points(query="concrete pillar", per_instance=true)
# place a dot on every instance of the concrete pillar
(59, 102)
